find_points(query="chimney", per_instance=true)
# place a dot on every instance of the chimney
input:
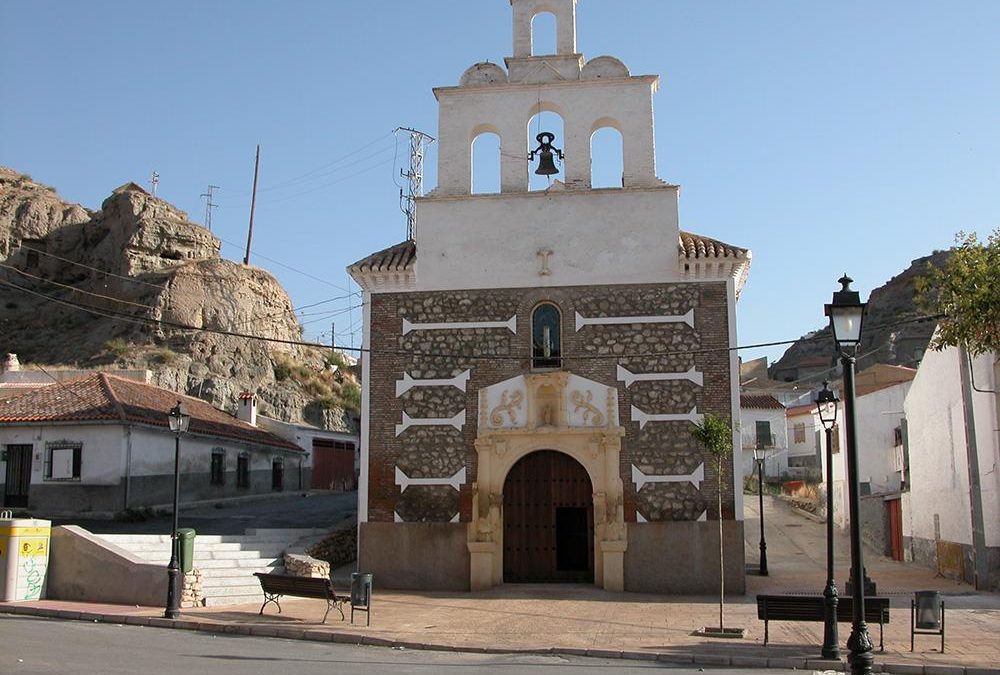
(10, 364)
(247, 411)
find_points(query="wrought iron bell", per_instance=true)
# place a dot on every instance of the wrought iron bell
(546, 154)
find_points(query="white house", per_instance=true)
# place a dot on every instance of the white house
(762, 425)
(951, 512)
(101, 443)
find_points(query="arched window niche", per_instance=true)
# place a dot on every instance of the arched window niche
(607, 158)
(486, 163)
(546, 337)
(543, 34)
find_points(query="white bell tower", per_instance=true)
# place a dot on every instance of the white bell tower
(525, 12)
(625, 234)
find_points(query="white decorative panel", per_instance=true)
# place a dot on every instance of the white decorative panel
(641, 479)
(582, 321)
(590, 404)
(504, 405)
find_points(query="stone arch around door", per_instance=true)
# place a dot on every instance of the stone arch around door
(550, 411)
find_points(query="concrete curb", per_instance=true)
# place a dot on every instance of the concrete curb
(306, 633)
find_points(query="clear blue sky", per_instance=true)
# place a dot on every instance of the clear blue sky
(824, 136)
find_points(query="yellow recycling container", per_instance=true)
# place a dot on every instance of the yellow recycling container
(24, 558)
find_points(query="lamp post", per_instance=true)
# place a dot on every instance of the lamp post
(846, 314)
(179, 420)
(759, 456)
(826, 406)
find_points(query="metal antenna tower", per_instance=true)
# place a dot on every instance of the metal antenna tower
(209, 205)
(154, 180)
(415, 178)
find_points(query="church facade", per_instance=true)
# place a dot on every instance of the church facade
(537, 357)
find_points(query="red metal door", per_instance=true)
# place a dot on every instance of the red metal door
(333, 465)
(895, 509)
(548, 517)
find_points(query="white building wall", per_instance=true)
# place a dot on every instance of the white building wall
(493, 241)
(880, 459)
(777, 456)
(937, 505)
(102, 456)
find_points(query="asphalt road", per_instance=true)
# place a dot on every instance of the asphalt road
(32, 646)
(322, 510)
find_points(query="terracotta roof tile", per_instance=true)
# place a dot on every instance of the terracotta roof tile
(396, 258)
(695, 247)
(803, 409)
(760, 402)
(100, 397)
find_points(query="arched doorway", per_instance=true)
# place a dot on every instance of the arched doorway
(548, 520)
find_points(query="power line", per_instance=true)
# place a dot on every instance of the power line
(89, 267)
(404, 352)
(209, 205)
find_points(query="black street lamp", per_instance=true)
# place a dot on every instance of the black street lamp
(759, 456)
(179, 420)
(826, 406)
(846, 314)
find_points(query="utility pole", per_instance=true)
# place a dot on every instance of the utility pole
(154, 180)
(209, 205)
(414, 177)
(333, 335)
(253, 205)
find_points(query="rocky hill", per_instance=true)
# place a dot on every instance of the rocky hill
(888, 335)
(111, 288)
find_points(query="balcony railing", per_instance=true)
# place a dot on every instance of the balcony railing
(766, 441)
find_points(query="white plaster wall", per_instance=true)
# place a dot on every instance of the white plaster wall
(596, 237)
(878, 415)
(505, 109)
(806, 447)
(939, 474)
(777, 457)
(101, 457)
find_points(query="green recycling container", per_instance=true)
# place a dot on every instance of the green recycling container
(185, 545)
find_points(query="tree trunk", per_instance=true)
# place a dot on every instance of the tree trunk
(722, 561)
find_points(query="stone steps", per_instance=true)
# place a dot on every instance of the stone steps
(227, 563)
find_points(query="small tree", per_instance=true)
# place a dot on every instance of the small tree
(966, 292)
(716, 435)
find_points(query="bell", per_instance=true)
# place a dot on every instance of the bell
(546, 154)
(546, 164)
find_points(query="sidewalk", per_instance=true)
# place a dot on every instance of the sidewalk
(581, 619)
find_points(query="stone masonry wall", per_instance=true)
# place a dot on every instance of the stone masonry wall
(593, 352)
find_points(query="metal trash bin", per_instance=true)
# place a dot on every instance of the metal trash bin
(185, 548)
(24, 558)
(361, 594)
(926, 616)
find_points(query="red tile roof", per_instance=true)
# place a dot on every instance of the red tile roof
(102, 397)
(803, 409)
(396, 258)
(695, 246)
(760, 402)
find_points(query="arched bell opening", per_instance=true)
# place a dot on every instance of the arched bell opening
(548, 520)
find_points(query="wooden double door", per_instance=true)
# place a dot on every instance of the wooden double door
(548, 520)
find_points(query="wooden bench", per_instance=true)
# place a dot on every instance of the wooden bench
(276, 585)
(813, 608)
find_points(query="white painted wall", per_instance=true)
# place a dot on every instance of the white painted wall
(102, 457)
(777, 457)
(879, 459)
(939, 475)
(596, 237)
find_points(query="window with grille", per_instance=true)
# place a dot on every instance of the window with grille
(63, 461)
(546, 323)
